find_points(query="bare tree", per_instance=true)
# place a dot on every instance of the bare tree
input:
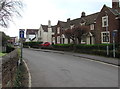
(76, 33)
(9, 9)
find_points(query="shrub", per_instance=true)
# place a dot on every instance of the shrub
(9, 49)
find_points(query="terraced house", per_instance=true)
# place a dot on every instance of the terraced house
(103, 26)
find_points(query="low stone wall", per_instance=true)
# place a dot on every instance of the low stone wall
(9, 65)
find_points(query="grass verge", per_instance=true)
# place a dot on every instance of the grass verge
(21, 78)
(2, 54)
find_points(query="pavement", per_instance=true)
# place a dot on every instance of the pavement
(113, 61)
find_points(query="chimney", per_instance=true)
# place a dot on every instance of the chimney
(49, 23)
(115, 4)
(83, 14)
(68, 20)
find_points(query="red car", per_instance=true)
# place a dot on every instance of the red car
(46, 44)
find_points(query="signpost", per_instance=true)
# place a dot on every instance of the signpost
(21, 35)
(114, 34)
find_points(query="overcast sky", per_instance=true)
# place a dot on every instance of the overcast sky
(36, 12)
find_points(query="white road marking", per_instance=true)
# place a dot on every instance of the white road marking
(28, 73)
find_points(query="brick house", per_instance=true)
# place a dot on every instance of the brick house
(101, 26)
(107, 21)
(69, 24)
(58, 34)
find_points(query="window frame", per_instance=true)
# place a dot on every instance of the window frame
(92, 27)
(102, 37)
(105, 19)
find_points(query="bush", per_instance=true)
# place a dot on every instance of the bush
(9, 49)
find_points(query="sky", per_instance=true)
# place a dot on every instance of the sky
(37, 12)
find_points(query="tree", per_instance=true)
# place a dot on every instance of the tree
(8, 9)
(76, 33)
(4, 38)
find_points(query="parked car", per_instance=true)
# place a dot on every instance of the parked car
(45, 44)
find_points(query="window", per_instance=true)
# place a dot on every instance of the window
(105, 21)
(105, 37)
(82, 24)
(58, 30)
(92, 27)
(58, 39)
(71, 27)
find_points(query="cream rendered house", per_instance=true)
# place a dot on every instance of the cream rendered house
(45, 33)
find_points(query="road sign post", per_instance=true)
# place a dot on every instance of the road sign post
(21, 35)
(114, 49)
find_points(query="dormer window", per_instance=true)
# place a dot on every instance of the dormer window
(82, 24)
(72, 26)
(105, 21)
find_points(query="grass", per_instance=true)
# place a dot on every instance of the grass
(21, 78)
(2, 54)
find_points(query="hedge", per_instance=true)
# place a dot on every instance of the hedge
(96, 49)
(9, 49)
(32, 44)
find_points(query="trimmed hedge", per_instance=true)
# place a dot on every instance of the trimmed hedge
(96, 49)
(32, 44)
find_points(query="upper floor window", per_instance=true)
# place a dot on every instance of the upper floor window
(58, 30)
(92, 27)
(105, 21)
(82, 24)
(71, 27)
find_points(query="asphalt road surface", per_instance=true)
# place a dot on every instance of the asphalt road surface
(61, 70)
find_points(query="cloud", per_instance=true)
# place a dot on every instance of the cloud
(38, 12)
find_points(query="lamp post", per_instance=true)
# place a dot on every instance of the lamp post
(114, 34)
(107, 34)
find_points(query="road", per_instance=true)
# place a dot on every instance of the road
(62, 70)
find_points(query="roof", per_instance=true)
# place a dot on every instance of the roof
(115, 11)
(31, 31)
(45, 28)
(90, 19)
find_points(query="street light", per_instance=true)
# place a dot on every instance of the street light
(114, 34)
(107, 35)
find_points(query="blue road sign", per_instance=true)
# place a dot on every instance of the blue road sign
(21, 33)
(113, 34)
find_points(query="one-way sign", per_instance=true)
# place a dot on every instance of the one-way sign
(21, 33)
